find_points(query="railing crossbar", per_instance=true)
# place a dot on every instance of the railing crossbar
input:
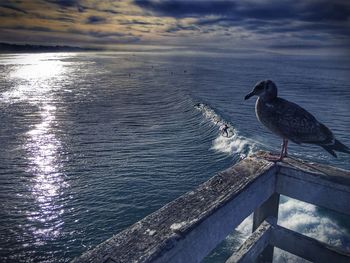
(269, 233)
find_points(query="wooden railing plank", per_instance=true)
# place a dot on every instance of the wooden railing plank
(314, 190)
(188, 228)
(269, 209)
(306, 247)
(253, 246)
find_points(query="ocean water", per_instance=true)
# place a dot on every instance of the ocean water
(93, 142)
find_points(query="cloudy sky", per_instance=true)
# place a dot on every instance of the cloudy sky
(257, 24)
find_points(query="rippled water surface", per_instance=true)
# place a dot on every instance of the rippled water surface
(93, 142)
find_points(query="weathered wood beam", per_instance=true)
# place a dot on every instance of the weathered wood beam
(268, 209)
(253, 246)
(188, 228)
(306, 247)
(269, 233)
(317, 184)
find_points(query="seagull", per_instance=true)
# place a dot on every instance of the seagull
(291, 122)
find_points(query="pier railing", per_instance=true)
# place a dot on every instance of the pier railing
(190, 227)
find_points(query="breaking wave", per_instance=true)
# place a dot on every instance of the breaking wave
(232, 142)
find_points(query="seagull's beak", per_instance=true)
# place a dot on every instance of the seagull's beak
(249, 95)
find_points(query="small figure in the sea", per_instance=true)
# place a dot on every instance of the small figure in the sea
(291, 122)
(224, 130)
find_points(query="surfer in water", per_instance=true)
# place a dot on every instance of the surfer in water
(224, 130)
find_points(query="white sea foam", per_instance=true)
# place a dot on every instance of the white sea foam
(245, 227)
(303, 218)
(233, 145)
(210, 114)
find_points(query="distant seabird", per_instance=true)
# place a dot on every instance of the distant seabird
(291, 122)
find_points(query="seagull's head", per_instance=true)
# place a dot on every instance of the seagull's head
(265, 89)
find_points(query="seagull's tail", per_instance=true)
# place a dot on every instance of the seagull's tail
(336, 146)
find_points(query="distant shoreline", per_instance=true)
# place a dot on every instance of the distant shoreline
(28, 48)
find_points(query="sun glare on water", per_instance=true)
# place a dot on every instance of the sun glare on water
(37, 78)
(39, 67)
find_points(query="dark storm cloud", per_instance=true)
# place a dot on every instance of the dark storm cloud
(138, 22)
(304, 46)
(269, 27)
(30, 28)
(299, 23)
(117, 36)
(178, 8)
(304, 10)
(13, 8)
(65, 3)
(122, 38)
(325, 11)
(322, 16)
(229, 11)
(176, 28)
(33, 28)
(220, 21)
(96, 20)
(110, 11)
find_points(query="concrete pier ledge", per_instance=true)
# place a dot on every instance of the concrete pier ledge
(190, 227)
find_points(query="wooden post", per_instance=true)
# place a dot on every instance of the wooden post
(268, 209)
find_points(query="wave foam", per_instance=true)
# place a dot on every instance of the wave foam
(304, 218)
(233, 145)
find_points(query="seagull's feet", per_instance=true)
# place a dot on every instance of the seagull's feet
(274, 158)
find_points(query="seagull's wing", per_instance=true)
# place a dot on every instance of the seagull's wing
(299, 125)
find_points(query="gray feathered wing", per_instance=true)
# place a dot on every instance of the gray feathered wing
(298, 125)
